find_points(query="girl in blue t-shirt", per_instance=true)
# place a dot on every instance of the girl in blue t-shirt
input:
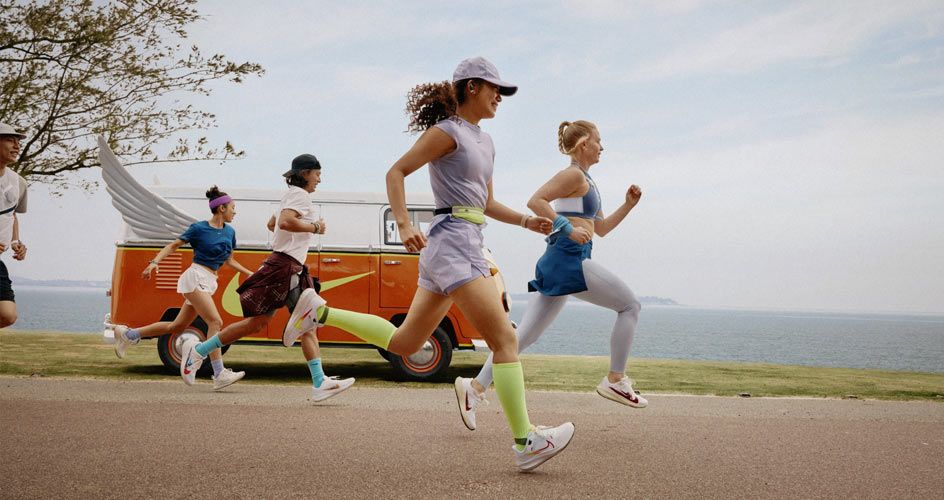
(213, 242)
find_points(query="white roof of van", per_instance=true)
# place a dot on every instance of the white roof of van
(250, 194)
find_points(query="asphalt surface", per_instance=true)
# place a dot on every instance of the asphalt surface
(66, 438)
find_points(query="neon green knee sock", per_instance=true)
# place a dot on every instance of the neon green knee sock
(367, 327)
(509, 384)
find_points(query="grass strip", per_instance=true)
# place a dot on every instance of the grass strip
(87, 356)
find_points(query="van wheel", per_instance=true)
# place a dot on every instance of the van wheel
(432, 358)
(169, 346)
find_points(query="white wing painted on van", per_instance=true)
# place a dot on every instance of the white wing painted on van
(149, 215)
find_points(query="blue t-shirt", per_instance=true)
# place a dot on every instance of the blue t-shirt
(211, 246)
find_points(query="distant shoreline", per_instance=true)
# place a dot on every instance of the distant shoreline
(19, 280)
(645, 300)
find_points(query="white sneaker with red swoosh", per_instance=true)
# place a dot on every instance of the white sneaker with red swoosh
(304, 317)
(468, 398)
(622, 392)
(191, 361)
(332, 386)
(543, 443)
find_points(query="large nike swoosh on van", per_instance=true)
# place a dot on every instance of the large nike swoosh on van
(230, 299)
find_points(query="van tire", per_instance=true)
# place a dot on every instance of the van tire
(168, 346)
(431, 359)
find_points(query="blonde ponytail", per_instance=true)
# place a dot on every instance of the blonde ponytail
(573, 134)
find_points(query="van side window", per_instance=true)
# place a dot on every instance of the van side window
(421, 220)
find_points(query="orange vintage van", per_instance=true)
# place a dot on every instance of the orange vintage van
(360, 261)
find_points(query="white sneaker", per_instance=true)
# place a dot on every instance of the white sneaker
(543, 443)
(468, 398)
(226, 378)
(622, 392)
(304, 317)
(332, 386)
(122, 343)
(190, 362)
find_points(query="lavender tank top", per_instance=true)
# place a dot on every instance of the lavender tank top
(461, 177)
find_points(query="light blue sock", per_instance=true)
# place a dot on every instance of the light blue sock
(204, 348)
(317, 374)
(217, 366)
(133, 334)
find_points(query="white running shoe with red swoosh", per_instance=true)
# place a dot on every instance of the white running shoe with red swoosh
(303, 318)
(191, 361)
(622, 392)
(468, 398)
(543, 443)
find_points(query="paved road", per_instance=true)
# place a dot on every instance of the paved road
(93, 439)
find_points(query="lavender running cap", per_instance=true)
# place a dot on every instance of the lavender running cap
(480, 67)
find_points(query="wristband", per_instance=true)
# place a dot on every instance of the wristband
(563, 225)
(152, 261)
(524, 220)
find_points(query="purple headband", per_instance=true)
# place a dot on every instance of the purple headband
(222, 200)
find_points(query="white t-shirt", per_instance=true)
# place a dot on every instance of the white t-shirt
(294, 244)
(12, 199)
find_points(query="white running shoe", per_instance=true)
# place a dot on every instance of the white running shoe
(622, 392)
(304, 318)
(122, 343)
(543, 443)
(332, 386)
(226, 378)
(468, 398)
(191, 361)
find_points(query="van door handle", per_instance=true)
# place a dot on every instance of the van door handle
(330, 260)
(392, 262)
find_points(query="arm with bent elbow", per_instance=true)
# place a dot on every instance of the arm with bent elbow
(291, 221)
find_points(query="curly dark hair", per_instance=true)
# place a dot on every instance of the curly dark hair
(429, 103)
(212, 194)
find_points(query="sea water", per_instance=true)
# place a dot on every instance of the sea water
(911, 342)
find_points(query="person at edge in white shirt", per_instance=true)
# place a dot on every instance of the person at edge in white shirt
(12, 202)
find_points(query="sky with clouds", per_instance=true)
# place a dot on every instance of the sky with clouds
(790, 153)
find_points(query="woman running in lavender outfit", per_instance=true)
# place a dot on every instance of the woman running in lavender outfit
(452, 265)
(213, 242)
(572, 200)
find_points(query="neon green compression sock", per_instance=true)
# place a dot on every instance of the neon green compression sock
(509, 384)
(367, 327)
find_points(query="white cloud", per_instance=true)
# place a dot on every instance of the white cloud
(811, 31)
(608, 10)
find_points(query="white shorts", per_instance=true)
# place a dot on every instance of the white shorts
(197, 279)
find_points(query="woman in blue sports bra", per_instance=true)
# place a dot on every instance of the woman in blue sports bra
(571, 199)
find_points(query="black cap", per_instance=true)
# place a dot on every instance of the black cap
(303, 162)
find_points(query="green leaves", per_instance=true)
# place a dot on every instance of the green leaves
(73, 69)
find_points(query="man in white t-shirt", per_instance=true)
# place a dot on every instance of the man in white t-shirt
(270, 287)
(12, 202)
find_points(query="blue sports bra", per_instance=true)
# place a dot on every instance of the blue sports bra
(586, 207)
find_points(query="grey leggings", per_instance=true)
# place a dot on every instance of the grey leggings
(603, 289)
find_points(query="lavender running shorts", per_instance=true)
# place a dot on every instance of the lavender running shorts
(453, 255)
